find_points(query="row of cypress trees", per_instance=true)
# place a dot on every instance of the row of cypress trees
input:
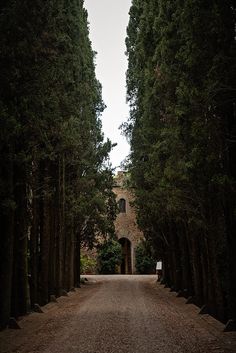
(181, 84)
(55, 178)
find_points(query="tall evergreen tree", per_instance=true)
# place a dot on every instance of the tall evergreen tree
(55, 179)
(181, 88)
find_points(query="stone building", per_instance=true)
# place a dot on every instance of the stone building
(126, 227)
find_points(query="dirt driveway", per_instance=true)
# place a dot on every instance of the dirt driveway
(119, 314)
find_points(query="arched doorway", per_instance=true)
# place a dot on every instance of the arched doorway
(126, 267)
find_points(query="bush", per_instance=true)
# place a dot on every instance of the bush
(87, 264)
(145, 262)
(109, 256)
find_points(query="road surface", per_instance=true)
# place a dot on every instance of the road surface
(119, 314)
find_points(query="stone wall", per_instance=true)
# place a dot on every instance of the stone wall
(125, 224)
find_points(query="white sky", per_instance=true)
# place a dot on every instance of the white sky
(108, 20)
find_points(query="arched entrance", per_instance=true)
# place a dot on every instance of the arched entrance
(126, 267)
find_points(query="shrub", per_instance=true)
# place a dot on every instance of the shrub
(109, 256)
(145, 262)
(87, 264)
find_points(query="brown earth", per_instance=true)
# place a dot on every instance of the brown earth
(119, 314)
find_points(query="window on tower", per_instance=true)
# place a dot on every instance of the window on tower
(122, 205)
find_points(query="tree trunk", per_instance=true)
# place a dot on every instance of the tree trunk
(77, 260)
(186, 272)
(230, 207)
(52, 257)
(231, 245)
(7, 241)
(34, 242)
(60, 223)
(196, 265)
(45, 237)
(20, 293)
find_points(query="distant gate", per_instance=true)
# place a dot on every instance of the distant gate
(126, 266)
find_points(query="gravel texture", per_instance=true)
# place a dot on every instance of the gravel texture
(119, 314)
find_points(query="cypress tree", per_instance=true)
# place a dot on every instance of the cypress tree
(180, 87)
(53, 157)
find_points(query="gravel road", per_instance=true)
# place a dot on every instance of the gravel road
(119, 314)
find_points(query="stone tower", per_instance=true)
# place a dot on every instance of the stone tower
(126, 227)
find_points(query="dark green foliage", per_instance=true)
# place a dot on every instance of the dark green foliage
(87, 264)
(181, 88)
(109, 256)
(145, 262)
(55, 178)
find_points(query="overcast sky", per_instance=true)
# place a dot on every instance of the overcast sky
(108, 20)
